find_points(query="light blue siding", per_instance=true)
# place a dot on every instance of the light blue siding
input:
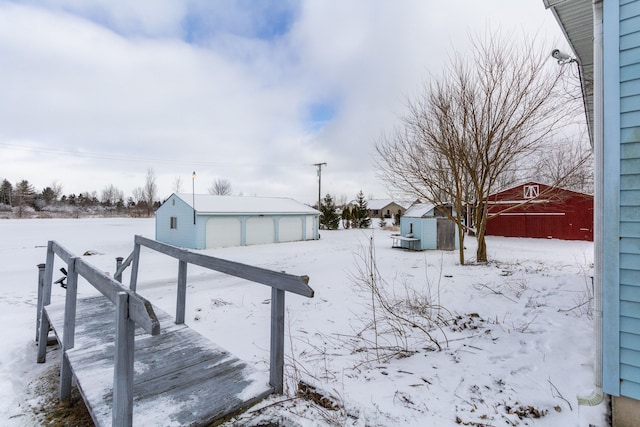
(621, 333)
(184, 234)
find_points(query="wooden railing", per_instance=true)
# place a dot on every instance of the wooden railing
(279, 283)
(131, 310)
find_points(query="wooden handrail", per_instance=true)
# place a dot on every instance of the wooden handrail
(286, 282)
(279, 283)
(131, 310)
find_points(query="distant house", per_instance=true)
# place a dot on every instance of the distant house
(207, 221)
(539, 211)
(423, 226)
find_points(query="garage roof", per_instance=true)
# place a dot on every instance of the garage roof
(207, 203)
(576, 21)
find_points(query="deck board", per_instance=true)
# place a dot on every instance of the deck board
(181, 378)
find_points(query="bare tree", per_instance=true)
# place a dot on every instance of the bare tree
(220, 187)
(150, 190)
(177, 185)
(110, 195)
(568, 164)
(57, 189)
(472, 130)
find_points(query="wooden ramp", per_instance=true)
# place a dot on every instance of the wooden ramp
(180, 377)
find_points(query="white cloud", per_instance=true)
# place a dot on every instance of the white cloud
(122, 79)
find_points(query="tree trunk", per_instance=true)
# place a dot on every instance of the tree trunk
(461, 231)
(481, 252)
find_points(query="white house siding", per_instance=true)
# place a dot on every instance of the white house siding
(223, 232)
(621, 271)
(260, 230)
(290, 229)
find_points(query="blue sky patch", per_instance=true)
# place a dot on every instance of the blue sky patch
(319, 114)
(266, 20)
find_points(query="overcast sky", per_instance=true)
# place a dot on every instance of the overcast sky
(94, 93)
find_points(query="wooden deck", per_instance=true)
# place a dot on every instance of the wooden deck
(180, 377)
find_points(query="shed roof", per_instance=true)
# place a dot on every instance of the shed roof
(576, 21)
(207, 203)
(419, 210)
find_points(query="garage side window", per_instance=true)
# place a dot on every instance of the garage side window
(173, 222)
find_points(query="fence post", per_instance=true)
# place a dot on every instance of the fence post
(48, 275)
(40, 292)
(122, 411)
(181, 298)
(276, 369)
(68, 331)
(133, 282)
(118, 277)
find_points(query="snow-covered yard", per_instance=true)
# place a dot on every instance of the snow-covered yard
(515, 335)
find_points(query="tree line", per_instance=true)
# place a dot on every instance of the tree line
(23, 199)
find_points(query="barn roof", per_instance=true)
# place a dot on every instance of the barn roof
(207, 203)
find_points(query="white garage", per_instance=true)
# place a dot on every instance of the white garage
(206, 221)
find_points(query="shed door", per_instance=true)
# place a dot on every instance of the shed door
(290, 229)
(223, 232)
(446, 234)
(260, 230)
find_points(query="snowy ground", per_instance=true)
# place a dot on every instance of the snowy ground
(516, 337)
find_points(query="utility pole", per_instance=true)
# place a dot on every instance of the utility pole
(319, 165)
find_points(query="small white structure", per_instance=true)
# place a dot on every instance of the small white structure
(423, 226)
(206, 221)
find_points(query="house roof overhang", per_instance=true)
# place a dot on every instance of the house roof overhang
(576, 21)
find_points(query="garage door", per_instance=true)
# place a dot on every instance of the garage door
(260, 230)
(223, 232)
(310, 228)
(290, 229)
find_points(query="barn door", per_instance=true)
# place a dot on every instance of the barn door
(446, 234)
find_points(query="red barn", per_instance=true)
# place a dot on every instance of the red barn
(539, 211)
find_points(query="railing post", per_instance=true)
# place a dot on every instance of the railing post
(48, 275)
(69, 329)
(181, 298)
(133, 282)
(118, 276)
(276, 374)
(122, 411)
(40, 292)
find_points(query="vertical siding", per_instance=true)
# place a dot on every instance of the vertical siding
(629, 214)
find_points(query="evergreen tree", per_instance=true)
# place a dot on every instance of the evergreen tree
(23, 196)
(6, 191)
(48, 195)
(329, 218)
(361, 212)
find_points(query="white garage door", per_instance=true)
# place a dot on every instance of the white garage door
(290, 229)
(223, 232)
(310, 228)
(260, 230)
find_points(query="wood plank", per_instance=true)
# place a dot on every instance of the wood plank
(180, 377)
(286, 282)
